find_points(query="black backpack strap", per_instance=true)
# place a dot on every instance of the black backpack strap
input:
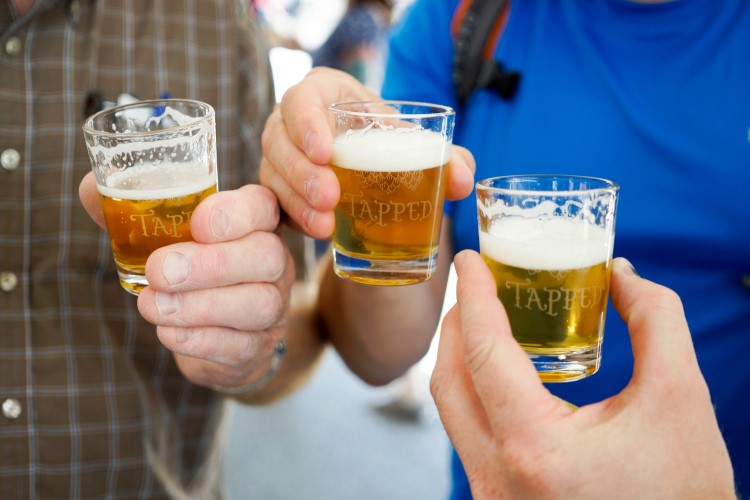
(476, 28)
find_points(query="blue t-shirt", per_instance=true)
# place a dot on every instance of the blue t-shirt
(655, 97)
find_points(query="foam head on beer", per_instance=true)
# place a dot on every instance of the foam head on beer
(553, 244)
(390, 149)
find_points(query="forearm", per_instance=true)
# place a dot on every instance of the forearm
(381, 331)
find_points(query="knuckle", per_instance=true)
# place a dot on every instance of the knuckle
(276, 257)
(291, 94)
(266, 173)
(270, 131)
(526, 467)
(294, 206)
(188, 341)
(271, 204)
(217, 267)
(477, 355)
(438, 382)
(200, 347)
(261, 206)
(296, 165)
(268, 306)
(269, 256)
(205, 311)
(248, 347)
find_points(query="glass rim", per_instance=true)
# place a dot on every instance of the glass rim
(607, 185)
(149, 103)
(441, 109)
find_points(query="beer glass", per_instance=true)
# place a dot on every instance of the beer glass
(154, 161)
(390, 159)
(548, 240)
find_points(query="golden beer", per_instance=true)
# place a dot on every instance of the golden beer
(553, 280)
(148, 207)
(390, 209)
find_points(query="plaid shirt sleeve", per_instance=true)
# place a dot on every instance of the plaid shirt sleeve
(92, 405)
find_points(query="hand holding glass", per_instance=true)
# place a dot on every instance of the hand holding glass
(548, 240)
(154, 161)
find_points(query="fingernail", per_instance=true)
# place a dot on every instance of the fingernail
(168, 303)
(309, 143)
(182, 335)
(309, 216)
(628, 267)
(458, 261)
(176, 268)
(219, 223)
(312, 186)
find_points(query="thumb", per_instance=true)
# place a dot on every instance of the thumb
(502, 374)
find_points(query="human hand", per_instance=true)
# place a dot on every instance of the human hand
(658, 438)
(221, 302)
(298, 141)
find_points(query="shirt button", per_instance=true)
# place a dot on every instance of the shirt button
(8, 281)
(10, 159)
(746, 280)
(13, 46)
(12, 408)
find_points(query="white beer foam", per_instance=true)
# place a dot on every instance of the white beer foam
(390, 150)
(154, 182)
(553, 244)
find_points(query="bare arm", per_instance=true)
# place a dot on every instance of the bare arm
(379, 331)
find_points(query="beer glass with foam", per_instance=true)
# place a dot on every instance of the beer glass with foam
(548, 240)
(154, 161)
(390, 159)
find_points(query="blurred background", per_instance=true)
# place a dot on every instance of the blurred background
(337, 438)
(349, 35)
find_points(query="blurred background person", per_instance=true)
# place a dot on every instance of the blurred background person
(358, 44)
(96, 401)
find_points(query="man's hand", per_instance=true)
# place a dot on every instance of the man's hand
(658, 438)
(298, 141)
(221, 302)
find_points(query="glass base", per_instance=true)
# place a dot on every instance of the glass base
(132, 283)
(566, 367)
(384, 272)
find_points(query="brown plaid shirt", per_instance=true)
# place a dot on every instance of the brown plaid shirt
(92, 405)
